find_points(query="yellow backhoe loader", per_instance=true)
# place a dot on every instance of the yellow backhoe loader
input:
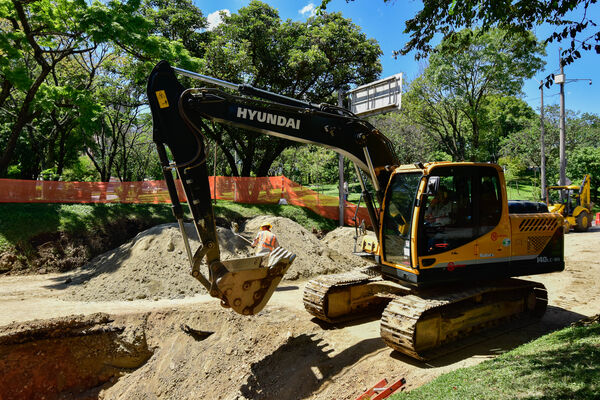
(573, 203)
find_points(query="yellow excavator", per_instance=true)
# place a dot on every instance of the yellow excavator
(448, 244)
(573, 203)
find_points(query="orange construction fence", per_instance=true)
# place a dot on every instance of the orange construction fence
(265, 190)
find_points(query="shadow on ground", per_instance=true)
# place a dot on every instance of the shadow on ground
(290, 374)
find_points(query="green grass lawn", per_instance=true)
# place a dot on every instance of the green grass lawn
(21, 221)
(520, 191)
(332, 189)
(562, 365)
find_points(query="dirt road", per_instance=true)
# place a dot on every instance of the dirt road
(200, 350)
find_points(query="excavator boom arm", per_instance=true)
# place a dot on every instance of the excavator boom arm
(349, 136)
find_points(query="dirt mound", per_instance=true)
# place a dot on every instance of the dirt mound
(269, 356)
(342, 239)
(154, 264)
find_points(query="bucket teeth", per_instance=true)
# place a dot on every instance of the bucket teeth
(280, 257)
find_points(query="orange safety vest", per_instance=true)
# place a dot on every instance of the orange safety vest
(266, 241)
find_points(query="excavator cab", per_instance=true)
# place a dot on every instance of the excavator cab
(438, 213)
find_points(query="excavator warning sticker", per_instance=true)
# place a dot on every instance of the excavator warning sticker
(162, 99)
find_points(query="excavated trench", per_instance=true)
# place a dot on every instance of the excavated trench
(69, 357)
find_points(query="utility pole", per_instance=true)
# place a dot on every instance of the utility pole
(560, 79)
(341, 168)
(215, 175)
(542, 146)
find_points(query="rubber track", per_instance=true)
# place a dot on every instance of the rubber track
(317, 290)
(399, 319)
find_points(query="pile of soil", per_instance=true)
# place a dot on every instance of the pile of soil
(154, 264)
(343, 239)
(268, 356)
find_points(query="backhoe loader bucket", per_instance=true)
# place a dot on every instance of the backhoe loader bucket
(248, 283)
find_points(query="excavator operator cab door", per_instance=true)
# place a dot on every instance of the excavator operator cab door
(447, 220)
(396, 226)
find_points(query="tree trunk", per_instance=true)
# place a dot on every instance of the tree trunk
(269, 158)
(24, 116)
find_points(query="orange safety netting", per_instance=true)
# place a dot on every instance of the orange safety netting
(267, 190)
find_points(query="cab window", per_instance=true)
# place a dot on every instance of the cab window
(490, 203)
(467, 204)
(397, 217)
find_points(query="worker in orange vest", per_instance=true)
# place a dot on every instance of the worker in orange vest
(265, 241)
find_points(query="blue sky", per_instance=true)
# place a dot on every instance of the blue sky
(385, 23)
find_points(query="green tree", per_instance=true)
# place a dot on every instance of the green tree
(178, 20)
(65, 105)
(503, 115)
(307, 60)
(41, 43)
(582, 134)
(427, 105)
(111, 142)
(36, 36)
(450, 98)
(585, 160)
(411, 141)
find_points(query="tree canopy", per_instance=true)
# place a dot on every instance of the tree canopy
(522, 147)
(451, 96)
(449, 17)
(52, 51)
(73, 75)
(306, 60)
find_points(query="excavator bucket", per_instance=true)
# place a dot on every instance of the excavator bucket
(248, 283)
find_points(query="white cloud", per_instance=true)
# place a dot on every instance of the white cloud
(215, 19)
(308, 9)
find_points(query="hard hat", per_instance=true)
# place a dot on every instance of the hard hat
(267, 224)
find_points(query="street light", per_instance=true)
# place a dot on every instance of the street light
(573, 80)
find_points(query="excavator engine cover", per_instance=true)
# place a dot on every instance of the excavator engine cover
(246, 284)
